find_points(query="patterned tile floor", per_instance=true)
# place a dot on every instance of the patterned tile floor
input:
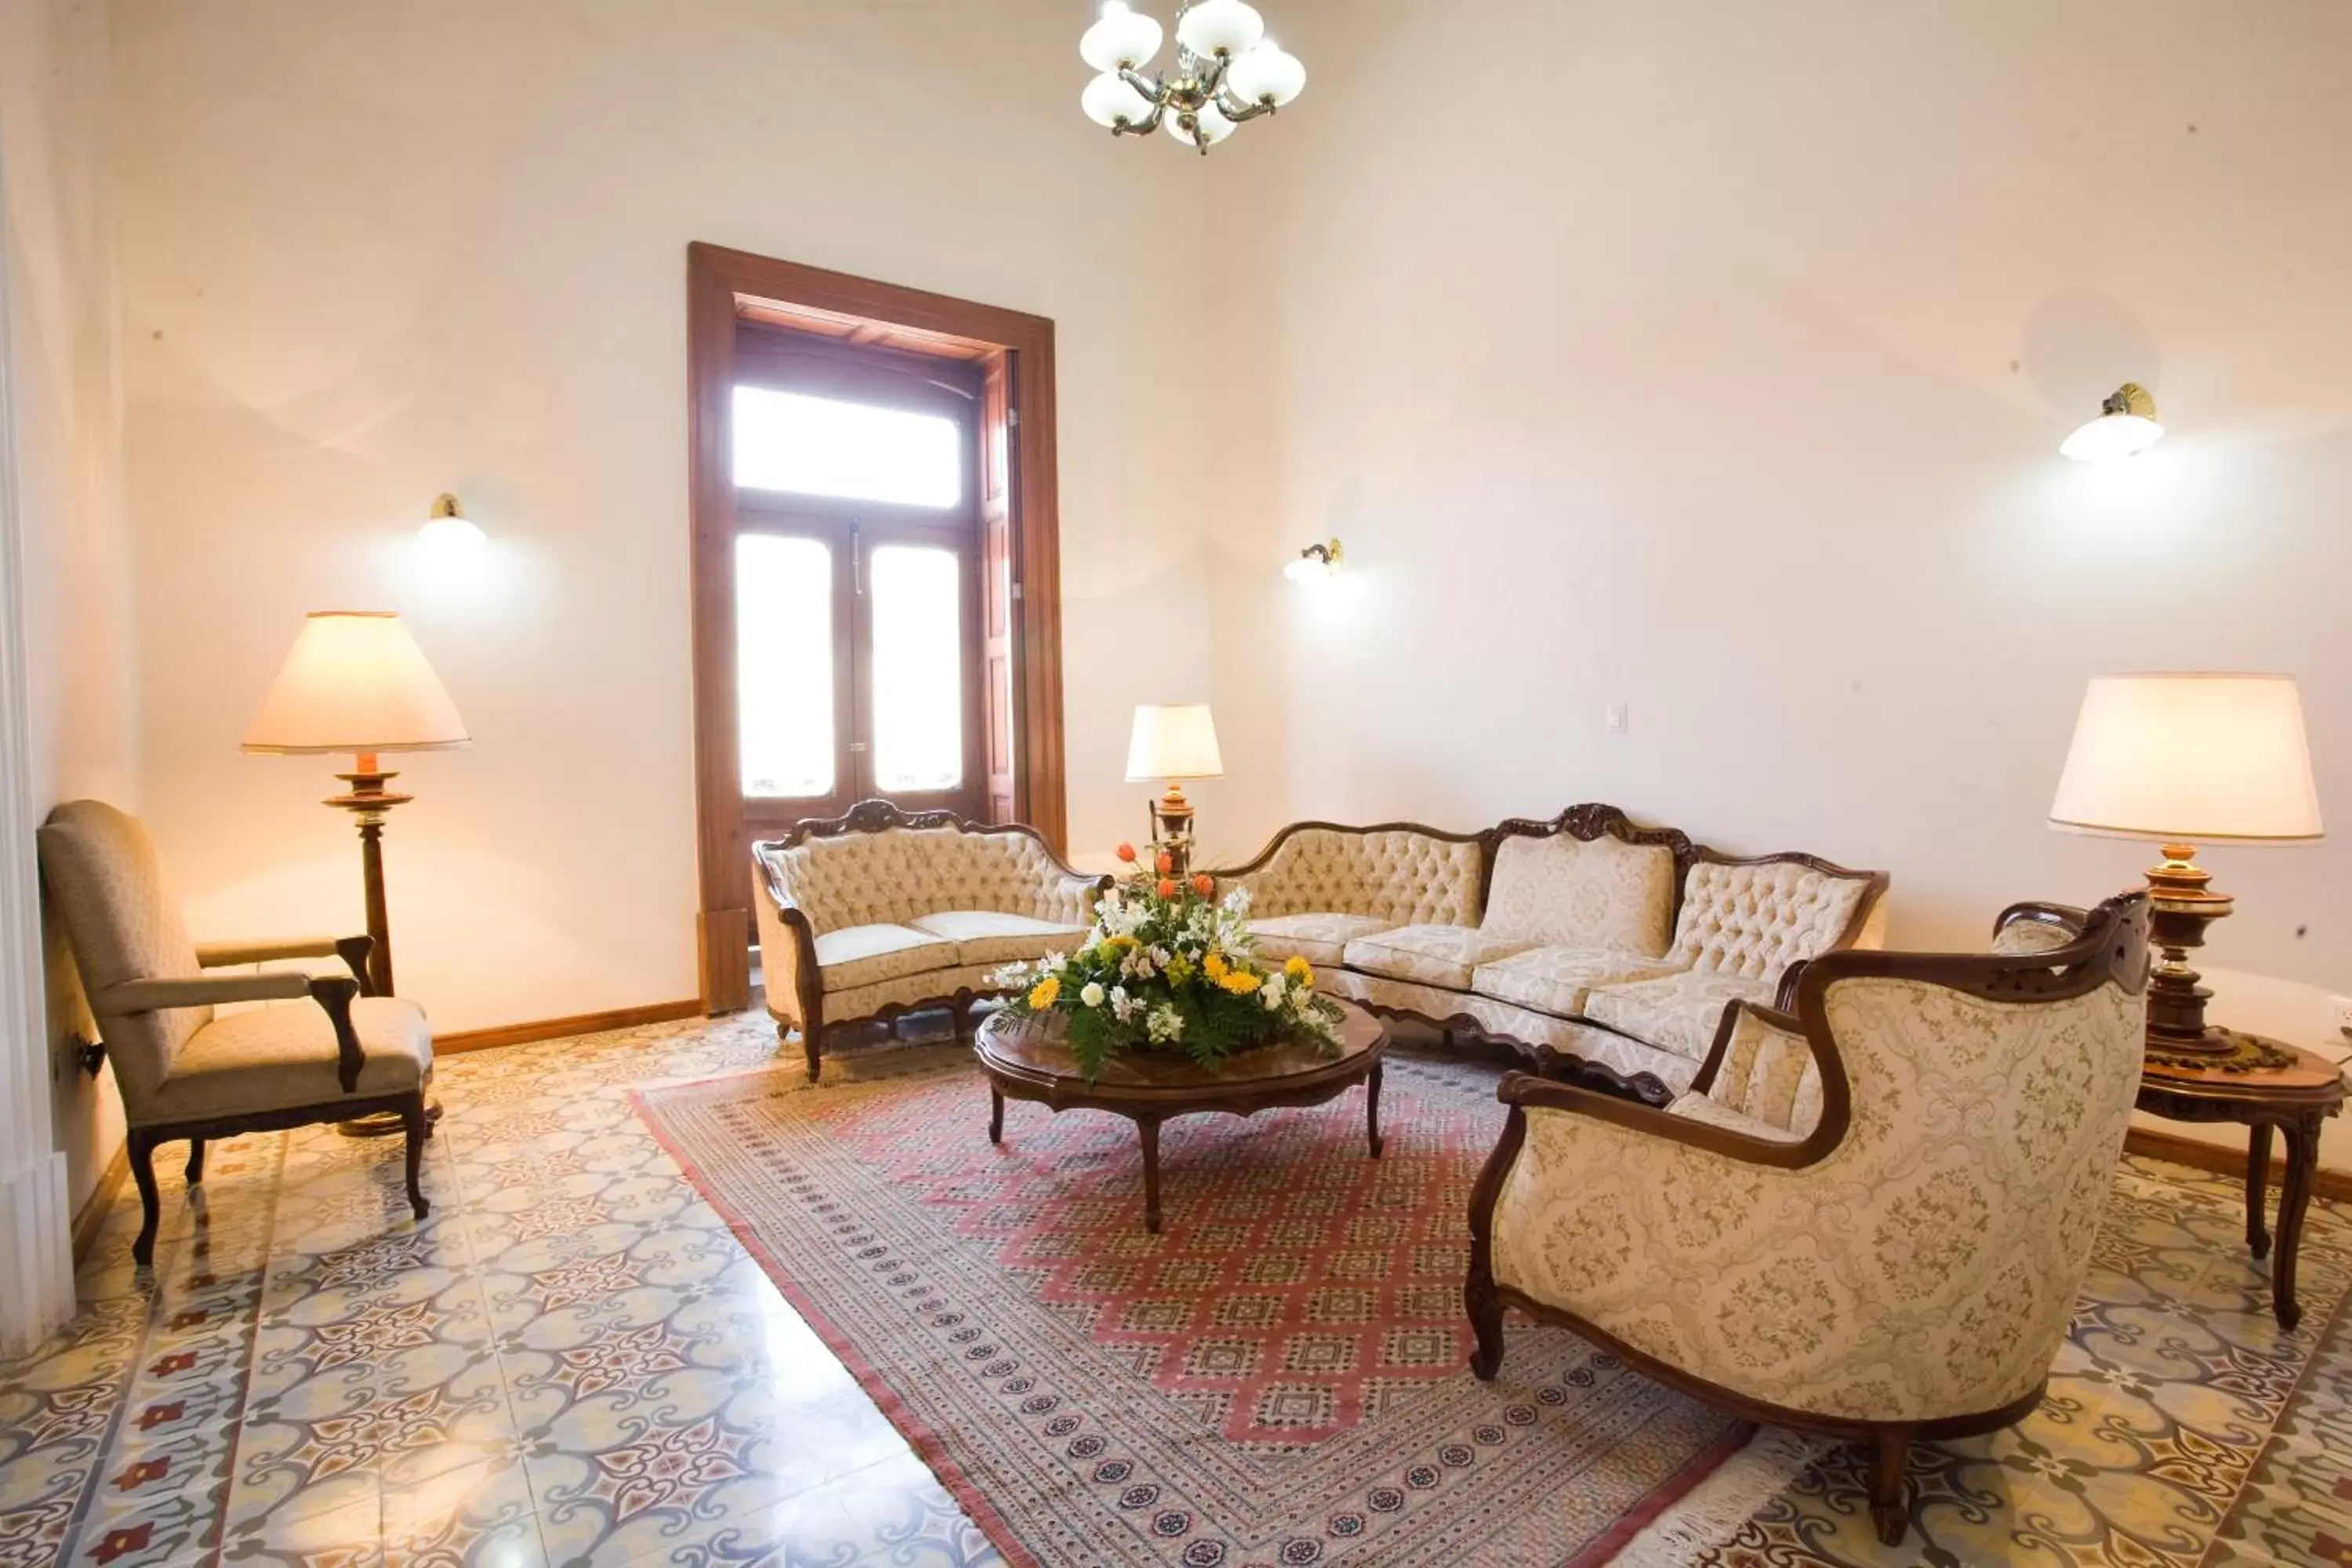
(573, 1362)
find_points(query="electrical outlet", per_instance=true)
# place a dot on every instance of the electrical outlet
(1617, 719)
(2342, 1006)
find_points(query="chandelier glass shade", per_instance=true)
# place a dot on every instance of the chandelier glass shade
(1226, 71)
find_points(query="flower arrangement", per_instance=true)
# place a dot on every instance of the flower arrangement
(1168, 968)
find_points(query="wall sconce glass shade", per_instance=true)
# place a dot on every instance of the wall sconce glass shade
(2127, 424)
(448, 531)
(1315, 562)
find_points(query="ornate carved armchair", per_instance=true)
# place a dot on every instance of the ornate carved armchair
(1869, 1219)
(188, 1072)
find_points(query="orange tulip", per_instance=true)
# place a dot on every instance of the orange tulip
(1167, 887)
(1126, 852)
(1165, 863)
(1204, 884)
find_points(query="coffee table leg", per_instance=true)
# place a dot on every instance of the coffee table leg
(1149, 1132)
(1372, 1108)
(2294, 1198)
(2258, 1170)
(996, 1115)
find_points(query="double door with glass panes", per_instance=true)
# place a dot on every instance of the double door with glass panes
(857, 624)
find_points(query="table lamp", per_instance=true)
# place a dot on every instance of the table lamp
(2184, 760)
(356, 681)
(1173, 743)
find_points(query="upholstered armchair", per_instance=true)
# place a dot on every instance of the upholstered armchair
(1870, 1218)
(188, 1073)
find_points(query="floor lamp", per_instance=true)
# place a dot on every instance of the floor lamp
(356, 681)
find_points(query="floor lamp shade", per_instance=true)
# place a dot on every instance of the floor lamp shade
(355, 681)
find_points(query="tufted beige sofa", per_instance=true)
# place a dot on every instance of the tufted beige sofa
(1872, 1215)
(876, 913)
(1584, 937)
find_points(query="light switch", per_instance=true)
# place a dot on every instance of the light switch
(1617, 720)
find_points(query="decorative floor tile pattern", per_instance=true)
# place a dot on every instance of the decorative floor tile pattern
(573, 1362)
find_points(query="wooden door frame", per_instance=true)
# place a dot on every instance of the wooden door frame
(724, 288)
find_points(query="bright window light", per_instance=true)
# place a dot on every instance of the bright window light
(917, 600)
(783, 665)
(825, 446)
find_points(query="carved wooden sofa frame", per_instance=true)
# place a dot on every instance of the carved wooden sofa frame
(2107, 943)
(868, 817)
(1585, 822)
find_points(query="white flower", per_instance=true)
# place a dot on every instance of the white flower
(1271, 993)
(1237, 902)
(1055, 962)
(1091, 993)
(1121, 1005)
(1011, 977)
(1165, 1024)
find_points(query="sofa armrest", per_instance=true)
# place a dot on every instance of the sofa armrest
(787, 953)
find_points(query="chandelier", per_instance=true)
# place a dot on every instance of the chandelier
(1226, 71)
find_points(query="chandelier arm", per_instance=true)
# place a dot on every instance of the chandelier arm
(1154, 90)
(1213, 80)
(1234, 110)
(1144, 127)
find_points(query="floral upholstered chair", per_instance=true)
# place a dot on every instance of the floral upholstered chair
(881, 913)
(1870, 1218)
(188, 1073)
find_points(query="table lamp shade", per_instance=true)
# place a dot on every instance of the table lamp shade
(1177, 742)
(2190, 759)
(355, 681)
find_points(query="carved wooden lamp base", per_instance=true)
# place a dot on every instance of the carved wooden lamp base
(369, 801)
(1171, 829)
(2181, 905)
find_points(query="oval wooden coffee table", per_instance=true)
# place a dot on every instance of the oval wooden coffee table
(1022, 1064)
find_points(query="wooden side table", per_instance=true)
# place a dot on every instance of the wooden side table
(2294, 1099)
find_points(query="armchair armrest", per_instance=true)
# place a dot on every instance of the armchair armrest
(1524, 1093)
(332, 993)
(354, 951)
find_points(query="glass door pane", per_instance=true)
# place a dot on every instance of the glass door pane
(783, 666)
(916, 598)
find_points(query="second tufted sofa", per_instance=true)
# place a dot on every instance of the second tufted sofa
(876, 913)
(1585, 936)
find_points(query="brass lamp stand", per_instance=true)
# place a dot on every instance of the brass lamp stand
(2180, 906)
(368, 801)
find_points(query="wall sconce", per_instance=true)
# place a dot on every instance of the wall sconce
(448, 531)
(1317, 561)
(2127, 424)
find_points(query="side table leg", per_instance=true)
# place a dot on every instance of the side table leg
(2258, 1170)
(1372, 1108)
(2294, 1198)
(996, 1114)
(1149, 1132)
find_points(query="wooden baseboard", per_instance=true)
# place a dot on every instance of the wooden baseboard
(557, 1028)
(92, 1212)
(2225, 1160)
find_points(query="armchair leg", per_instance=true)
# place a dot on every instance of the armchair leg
(1486, 1310)
(414, 1123)
(195, 1171)
(141, 1148)
(1889, 1511)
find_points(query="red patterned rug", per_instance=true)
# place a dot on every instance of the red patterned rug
(1280, 1377)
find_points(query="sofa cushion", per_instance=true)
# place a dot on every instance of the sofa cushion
(1605, 894)
(1679, 1012)
(1320, 938)
(281, 1057)
(1755, 921)
(1430, 954)
(861, 955)
(1556, 979)
(991, 936)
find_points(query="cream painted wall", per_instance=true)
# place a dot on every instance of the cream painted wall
(66, 407)
(1714, 359)
(374, 252)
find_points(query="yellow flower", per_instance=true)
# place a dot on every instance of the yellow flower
(1178, 970)
(1301, 973)
(1119, 943)
(1240, 982)
(1214, 966)
(1042, 995)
